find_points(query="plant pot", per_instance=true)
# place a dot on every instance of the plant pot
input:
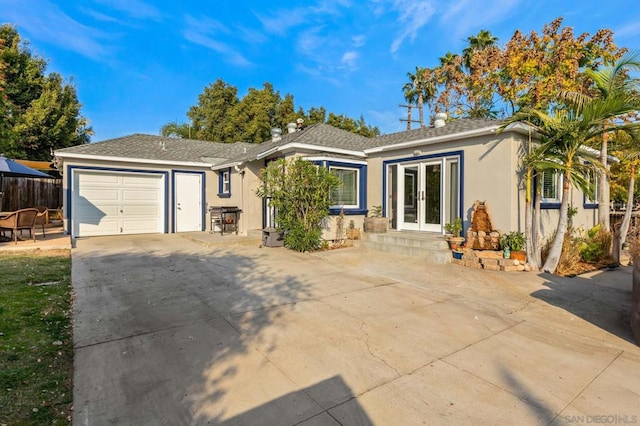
(375, 225)
(457, 254)
(519, 255)
(455, 242)
(353, 234)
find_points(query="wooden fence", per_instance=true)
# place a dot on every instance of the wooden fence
(21, 193)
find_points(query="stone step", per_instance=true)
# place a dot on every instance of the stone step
(431, 247)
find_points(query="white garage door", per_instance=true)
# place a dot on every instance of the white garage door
(106, 203)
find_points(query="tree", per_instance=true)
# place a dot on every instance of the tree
(300, 191)
(564, 133)
(52, 121)
(418, 91)
(528, 71)
(38, 112)
(209, 116)
(220, 116)
(173, 129)
(479, 42)
(631, 156)
(613, 81)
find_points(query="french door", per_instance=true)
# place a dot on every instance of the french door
(428, 194)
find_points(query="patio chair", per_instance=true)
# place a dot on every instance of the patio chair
(42, 218)
(19, 221)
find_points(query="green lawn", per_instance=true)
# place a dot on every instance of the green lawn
(36, 347)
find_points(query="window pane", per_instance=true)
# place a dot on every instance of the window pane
(549, 186)
(347, 193)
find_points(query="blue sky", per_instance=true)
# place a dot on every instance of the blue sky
(138, 64)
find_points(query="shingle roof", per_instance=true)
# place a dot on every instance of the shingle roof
(319, 135)
(455, 126)
(159, 148)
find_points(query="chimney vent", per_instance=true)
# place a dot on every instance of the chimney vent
(291, 127)
(276, 134)
(440, 119)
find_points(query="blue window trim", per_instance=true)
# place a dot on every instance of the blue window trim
(203, 223)
(221, 183)
(387, 163)
(544, 205)
(69, 193)
(362, 187)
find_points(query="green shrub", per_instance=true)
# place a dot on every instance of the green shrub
(595, 244)
(516, 241)
(300, 192)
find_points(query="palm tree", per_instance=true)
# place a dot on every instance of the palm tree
(418, 91)
(564, 133)
(481, 41)
(613, 81)
(620, 234)
(173, 129)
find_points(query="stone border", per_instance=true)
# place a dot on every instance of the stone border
(472, 260)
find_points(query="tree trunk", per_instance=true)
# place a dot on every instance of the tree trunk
(620, 235)
(537, 232)
(528, 228)
(603, 187)
(421, 110)
(553, 258)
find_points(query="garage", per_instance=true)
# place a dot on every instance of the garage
(117, 203)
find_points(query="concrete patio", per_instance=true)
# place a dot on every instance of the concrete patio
(171, 331)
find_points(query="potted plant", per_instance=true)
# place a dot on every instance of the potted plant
(454, 228)
(514, 245)
(353, 233)
(457, 253)
(375, 222)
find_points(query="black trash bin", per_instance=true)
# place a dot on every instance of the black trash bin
(271, 237)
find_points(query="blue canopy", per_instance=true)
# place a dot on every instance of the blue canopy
(9, 167)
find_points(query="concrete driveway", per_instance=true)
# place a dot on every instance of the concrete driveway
(170, 332)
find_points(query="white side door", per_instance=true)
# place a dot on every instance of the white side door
(188, 202)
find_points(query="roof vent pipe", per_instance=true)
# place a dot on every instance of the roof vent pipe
(440, 119)
(276, 134)
(291, 127)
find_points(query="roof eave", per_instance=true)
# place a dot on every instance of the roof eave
(76, 156)
(444, 138)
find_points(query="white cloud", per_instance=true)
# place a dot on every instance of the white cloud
(280, 21)
(629, 30)
(43, 21)
(349, 59)
(413, 15)
(359, 40)
(202, 31)
(461, 18)
(310, 41)
(134, 8)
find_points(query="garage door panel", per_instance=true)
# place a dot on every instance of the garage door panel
(105, 227)
(112, 203)
(133, 226)
(146, 211)
(98, 179)
(98, 194)
(140, 195)
(141, 181)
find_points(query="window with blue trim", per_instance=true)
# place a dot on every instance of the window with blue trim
(224, 183)
(350, 195)
(551, 184)
(346, 195)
